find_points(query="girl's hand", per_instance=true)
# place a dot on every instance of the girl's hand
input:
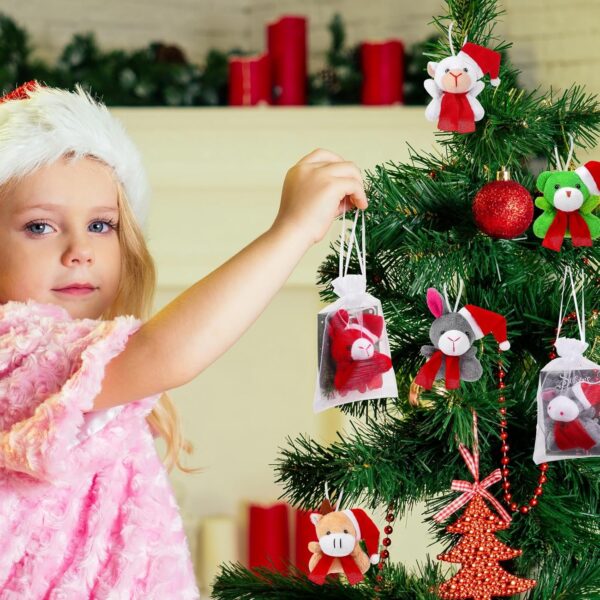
(316, 190)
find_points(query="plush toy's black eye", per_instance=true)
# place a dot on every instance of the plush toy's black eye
(557, 186)
(467, 333)
(345, 531)
(329, 533)
(466, 70)
(443, 332)
(578, 186)
(447, 71)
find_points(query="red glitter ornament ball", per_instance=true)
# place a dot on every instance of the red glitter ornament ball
(503, 208)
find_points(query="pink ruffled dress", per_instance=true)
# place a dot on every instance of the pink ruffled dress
(86, 506)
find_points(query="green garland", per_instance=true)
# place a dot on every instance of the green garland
(160, 74)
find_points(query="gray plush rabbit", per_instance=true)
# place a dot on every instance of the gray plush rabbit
(452, 356)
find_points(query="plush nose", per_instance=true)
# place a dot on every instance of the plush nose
(568, 193)
(456, 76)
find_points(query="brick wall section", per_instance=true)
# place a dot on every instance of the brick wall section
(555, 43)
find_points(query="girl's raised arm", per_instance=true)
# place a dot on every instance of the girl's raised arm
(200, 324)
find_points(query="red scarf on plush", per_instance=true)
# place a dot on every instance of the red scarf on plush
(456, 114)
(572, 435)
(321, 570)
(580, 232)
(426, 375)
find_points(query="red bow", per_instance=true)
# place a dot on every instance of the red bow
(572, 435)
(575, 223)
(456, 113)
(477, 487)
(426, 375)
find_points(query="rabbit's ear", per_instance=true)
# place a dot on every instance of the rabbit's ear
(435, 302)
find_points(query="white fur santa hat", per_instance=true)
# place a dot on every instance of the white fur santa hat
(482, 60)
(39, 124)
(366, 530)
(590, 175)
(484, 321)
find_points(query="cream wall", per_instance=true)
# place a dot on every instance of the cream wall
(555, 41)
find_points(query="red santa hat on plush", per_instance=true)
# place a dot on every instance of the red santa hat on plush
(588, 394)
(590, 175)
(482, 60)
(39, 124)
(484, 321)
(366, 530)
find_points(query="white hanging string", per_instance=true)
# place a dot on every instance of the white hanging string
(338, 503)
(583, 304)
(570, 156)
(580, 318)
(450, 38)
(461, 286)
(446, 297)
(346, 249)
(341, 267)
(460, 291)
(559, 165)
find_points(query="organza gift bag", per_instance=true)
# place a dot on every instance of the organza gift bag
(354, 360)
(568, 399)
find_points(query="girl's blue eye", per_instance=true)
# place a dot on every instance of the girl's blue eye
(112, 224)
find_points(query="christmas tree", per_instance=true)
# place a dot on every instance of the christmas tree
(421, 233)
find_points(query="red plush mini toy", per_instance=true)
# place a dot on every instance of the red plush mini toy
(358, 365)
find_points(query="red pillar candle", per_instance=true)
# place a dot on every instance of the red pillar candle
(383, 72)
(249, 80)
(269, 537)
(286, 41)
(305, 532)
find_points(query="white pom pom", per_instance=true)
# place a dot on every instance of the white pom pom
(495, 82)
(374, 559)
(504, 345)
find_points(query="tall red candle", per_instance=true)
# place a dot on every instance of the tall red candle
(249, 80)
(269, 537)
(383, 72)
(286, 41)
(305, 532)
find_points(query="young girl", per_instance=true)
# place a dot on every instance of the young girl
(86, 508)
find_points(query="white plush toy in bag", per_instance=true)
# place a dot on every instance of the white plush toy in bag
(354, 360)
(568, 423)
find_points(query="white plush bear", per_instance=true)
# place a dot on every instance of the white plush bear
(456, 85)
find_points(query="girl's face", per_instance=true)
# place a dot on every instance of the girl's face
(43, 249)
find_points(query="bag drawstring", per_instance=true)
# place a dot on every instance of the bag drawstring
(346, 251)
(563, 305)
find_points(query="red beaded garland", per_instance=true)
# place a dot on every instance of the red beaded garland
(387, 542)
(505, 460)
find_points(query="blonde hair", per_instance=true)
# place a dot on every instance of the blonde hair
(135, 296)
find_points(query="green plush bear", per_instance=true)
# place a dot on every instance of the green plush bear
(567, 204)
